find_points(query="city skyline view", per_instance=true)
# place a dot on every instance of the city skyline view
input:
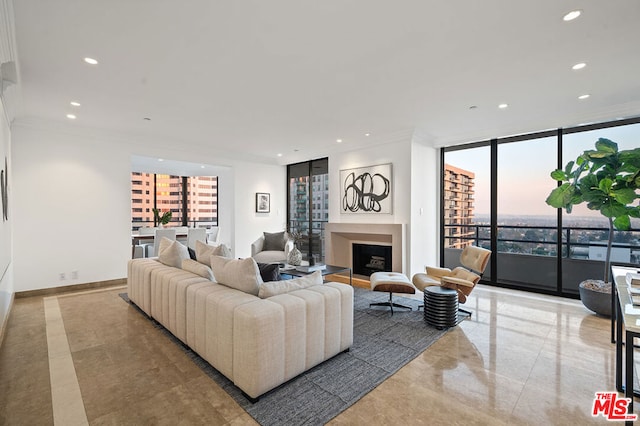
(190, 199)
(524, 170)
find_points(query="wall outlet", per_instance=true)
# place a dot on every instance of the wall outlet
(74, 275)
(63, 276)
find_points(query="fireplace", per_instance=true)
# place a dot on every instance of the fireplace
(341, 237)
(370, 258)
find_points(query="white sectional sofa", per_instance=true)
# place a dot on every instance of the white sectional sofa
(258, 343)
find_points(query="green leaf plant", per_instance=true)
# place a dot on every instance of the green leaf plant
(161, 219)
(607, 180)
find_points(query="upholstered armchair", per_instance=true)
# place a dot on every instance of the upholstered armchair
(463, 279)
(272, 247)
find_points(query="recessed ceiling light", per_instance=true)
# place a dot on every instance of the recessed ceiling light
(279, 154)
(579, 66)
(91, 61)
(202, 167)
(571, 15)
(585, 96)
(339, 140)
(74, 103)
(71, 117)
(367, 134)
(503, 106)
(160, 159)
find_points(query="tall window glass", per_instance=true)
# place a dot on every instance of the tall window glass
(585, 231)
(527, 226)
(466, 202)
(308, 205)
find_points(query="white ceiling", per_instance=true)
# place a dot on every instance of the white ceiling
(268, 77)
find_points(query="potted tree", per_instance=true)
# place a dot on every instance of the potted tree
(608, 181)
(161, 219)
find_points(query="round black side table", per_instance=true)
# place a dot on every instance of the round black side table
(440, 306)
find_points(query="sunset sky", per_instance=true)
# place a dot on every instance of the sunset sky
(524, 167)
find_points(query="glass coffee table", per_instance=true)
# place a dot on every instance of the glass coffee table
(328, 270)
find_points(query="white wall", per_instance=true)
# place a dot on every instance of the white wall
(416, 183)
(399, 154)
(72, 203)
(249, 179)
(425, 207)
(6, 227)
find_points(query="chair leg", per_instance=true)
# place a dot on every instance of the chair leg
(390, 304)
(464, 310)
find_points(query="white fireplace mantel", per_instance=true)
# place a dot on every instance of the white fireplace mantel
(339, 239)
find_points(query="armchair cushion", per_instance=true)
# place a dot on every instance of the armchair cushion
(465, 274)
(274, 241)
(453, 282)
(437, 272)
(422, 281)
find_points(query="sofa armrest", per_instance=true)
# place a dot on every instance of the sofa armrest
(257, 245)
(259, 346)
(276, 339)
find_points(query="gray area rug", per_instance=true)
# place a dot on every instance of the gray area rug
(382, 344)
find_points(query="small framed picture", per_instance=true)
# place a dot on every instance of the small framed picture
(263, 202)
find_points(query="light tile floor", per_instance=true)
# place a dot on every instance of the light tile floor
(522, 359)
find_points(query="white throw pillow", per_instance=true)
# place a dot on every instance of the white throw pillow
(172, 253)
(205, 251)
(273, 288)
(198, 268)
(241, 274)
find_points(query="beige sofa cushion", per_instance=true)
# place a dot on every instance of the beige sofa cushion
(172, 253)
(241, 274)
(205, 251)
(273, 288)
(198, 268)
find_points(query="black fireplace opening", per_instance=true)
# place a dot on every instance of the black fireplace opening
(370, 258)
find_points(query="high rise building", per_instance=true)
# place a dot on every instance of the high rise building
(201, 201)
(458, 206)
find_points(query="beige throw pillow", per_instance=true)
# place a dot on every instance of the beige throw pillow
(205, 251)
(198, 268)
(172, 253)
(241, 274)
(274, 288)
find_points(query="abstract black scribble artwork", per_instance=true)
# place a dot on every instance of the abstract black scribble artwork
(366, 190)
(4, 183)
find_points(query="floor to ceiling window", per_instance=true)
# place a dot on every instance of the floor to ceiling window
(308, 205)
(526, 225)
(534, 247)
(466, 206)
(585, 231)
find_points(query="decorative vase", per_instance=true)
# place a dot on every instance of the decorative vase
(295, 257)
